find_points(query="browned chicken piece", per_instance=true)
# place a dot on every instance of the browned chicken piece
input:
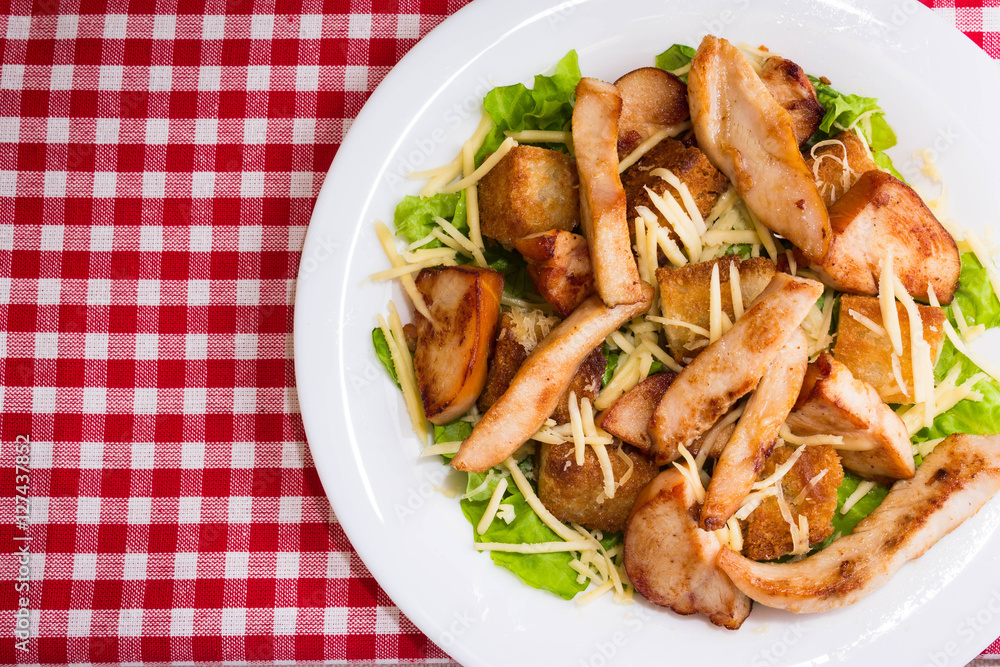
(882, 215)
(629, 417)
(651, 100)
(602, 199)
(705, 183)
(571, 492)
(529, 190)
(954, 481)
(767, 534)
(868, 354)
(750, 138)
(559, 265)
(586, 383)
(832, 402)
(839, 165)
(753, 439)
(685, 292)
(508, 355)
(671, 562)
(541, 381)
(717, 436)
(793, 90)
(730, 367)
(453, 351)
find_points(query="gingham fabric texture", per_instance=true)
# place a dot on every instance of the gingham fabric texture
(159, 161)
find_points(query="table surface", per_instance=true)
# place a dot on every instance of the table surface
(159, 160)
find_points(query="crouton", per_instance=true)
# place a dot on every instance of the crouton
(651, 100)
(530, 190)
(705, 183)
(868, 354)
(837, 167)
(570, 491)
(685, 291)
(628, 418)
(586, 384)
(832, 402)
(559, 265)
(767, 535)
(508, 355)
(882, 215)
(794, 91)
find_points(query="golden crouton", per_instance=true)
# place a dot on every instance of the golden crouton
(832, 178)
(705, 183)
(629, 417)
(766, 534)
(559, 265)
(651, 99)
(586, 384)
(508, 355)
(794, 91)
(571, 492)
(868, 355)
(530, 190)
(685, 292)
(879, 216)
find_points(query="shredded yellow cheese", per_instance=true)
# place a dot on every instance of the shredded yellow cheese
(714, 307)
(786, 434)
(409, 286)
(537, 548)
(780, 471)
(650, 143)
(859, 493)
(887, 303)
(483, 169)
(492, 506)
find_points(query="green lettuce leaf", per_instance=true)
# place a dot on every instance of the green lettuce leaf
(383, 354)
(674, 58)
(975, 295)
(414, 217)
(844, 523)
(517, 283)
(550, 572)
(546, 106)
(609, 370)
(842, 110)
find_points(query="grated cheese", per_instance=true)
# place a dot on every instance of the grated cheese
(537, 548)
(786, 434)
(693, 212)
(541, 137)
(531, 326)
(483, 169)
(679, 222)
(897, 373)
(403, 365)
(492, 507)
(576, 424)
(407, 269)
(469, 248)
(558, 527)
(666, 243)
(868, 323)
(920, 353)
(887, 303)
(780, 471)
(859, 493)
(737, 290)
(650, 143)
(714, 307)
(690, 471)
(409, 286)
(804, 493)
(441, 448)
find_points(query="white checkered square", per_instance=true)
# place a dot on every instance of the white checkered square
(144, 401)
(245, 400)
(98, 291)
(130, 623)
(181, 622)
(78, 622)
(258, 77)
(147, 345)
(105, 184)
(262, 26)
(48, 291)
(286, 565)
(195, 345)
(237, 564)
(18, 27)
(115, 26)
(356, 78)
(213, 26)
(234, 622)
(239, 509)
(61, 77)
(284, 620)
(10, 130)
(153, 184)
(85, 566)
(359, 26)
(310, 26)
(55, 184)
(255, 130)
(41, 454)
(290, 509)
(8, 183)
(11, 76)
(110, 77)
(95, 345)
(203, 184)
(67, 25)
(47, 344)
(192, 455)
(143, 456)
(57, 131)
(95, 401)
(242, 455)
(43, 400)
(194, 400)
(307, 77)
(88, 509)
(408, 26)
(92, 453)
(206, 130)
(160, 78)
(164, 26)
(139, 510)
(209, 77)
(134, 567)
(189, 509)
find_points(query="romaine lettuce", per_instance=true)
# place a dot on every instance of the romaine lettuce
(546, 106)
(414, 217)
(383, 354)
(975, 297)
(674, 58)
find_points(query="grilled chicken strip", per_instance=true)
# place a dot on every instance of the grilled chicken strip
(541, 380)
(750, 138)
(793, 90)
(954, 481)
(730, 367)
(602, 198)
(832, 402)
(671, 561)
(628, 418)
(752, 441)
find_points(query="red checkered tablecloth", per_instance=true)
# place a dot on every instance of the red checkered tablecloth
(159, 161)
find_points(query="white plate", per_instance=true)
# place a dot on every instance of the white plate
(939, 90)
